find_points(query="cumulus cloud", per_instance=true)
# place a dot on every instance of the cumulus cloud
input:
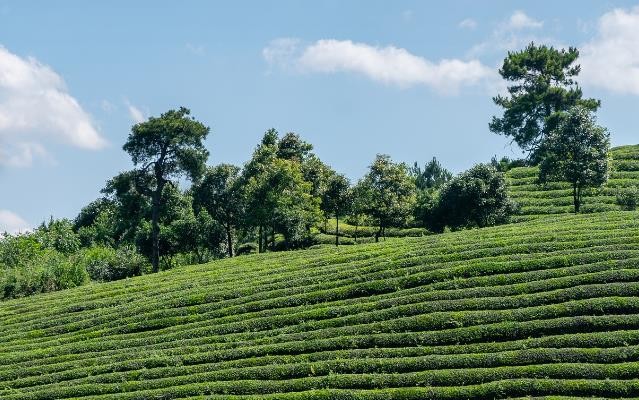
(12, 223)
(35, 106)
(513, 33)
(389, 65)
(468, 23)
(611, 59)
(519, 20)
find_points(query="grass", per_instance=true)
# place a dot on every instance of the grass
(546, 308)
(536, 200)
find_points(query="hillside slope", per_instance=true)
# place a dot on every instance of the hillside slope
(546, 307)
(556, 198)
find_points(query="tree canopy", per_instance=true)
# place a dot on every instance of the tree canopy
(576, 151)
(541, 84)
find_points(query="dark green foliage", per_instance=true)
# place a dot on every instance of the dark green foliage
(336, 200)
(505, 164)
(34, 262)
(628, 198)
(386, 194)
(475, 198)
(220, 193)
(576, 152)
(163, 149)
(433, 176)
(108, 264)
(542, 84)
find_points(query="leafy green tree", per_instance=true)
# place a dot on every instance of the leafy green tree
(165, 148)
(292, 147)
(390, 192)
(542, 84)
(220, 194)
(279, 198)
(359, 196)
(577, 152)
(336, 200)
(433, 176)
(475, 198)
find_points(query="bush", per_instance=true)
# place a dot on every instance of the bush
(246, 248)
(475, 198)
(628, 198)
(47, 270)
(108, 264)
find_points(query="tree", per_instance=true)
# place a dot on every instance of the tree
(165, 148)
(433, 175)
(279, 198)
(541, 85)
(292, 147)
(577, 152)
(390, 191)
(220, 194)
(336, 200)
(477, 197)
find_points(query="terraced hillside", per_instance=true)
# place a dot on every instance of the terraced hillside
(556, 198)
(546, 307)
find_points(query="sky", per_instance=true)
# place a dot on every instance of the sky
(411, 79)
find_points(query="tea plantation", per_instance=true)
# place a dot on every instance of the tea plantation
(555, 198)
(549, 307)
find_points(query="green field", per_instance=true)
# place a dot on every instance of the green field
(549, 307)
(556, 198)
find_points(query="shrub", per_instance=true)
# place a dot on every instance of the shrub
(475, 198)
(246, 248)
(108, 264)
(628, 198)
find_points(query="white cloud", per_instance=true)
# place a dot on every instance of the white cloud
(23, 154)
(519, 20)
(390, 65)
(280, 52)
(35, 106)
(512, 34)
(611, 59)
(468, 23)
(12, 223)
(135, 113)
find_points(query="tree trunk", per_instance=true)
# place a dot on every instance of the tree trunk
(336, 230)
(378, 233)
(273, 238)
(575, 198)
(259, 240)
(155, 228)
(229, 240)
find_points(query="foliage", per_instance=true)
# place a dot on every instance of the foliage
(505, 164)
(628, 198)
(336, 200)
(30, 263)
(576, 152)
(433, 176)
(542, 84)
(544, 308)
(475, 198)
(387, 193)
(220, 193)
(162, 149)
(108, 264)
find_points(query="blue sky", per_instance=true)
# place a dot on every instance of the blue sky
(412, 79)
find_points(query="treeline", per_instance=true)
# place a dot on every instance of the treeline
(284, 196)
